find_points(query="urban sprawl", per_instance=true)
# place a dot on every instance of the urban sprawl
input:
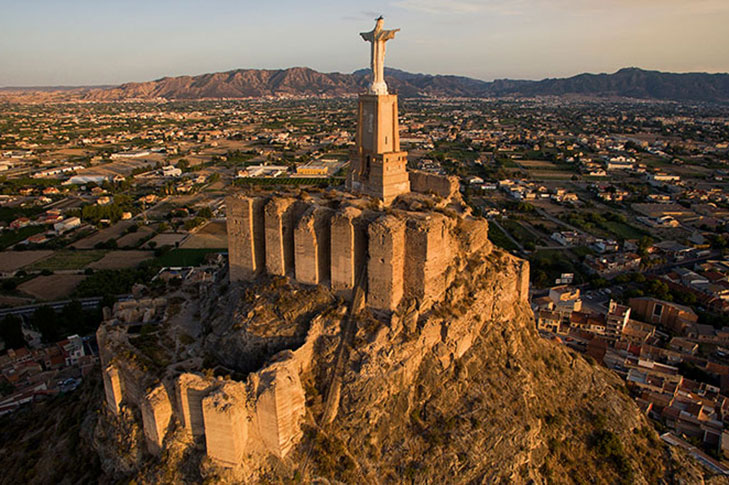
(620, 207)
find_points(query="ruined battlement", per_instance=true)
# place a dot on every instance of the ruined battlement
(404, 252)
(229, 419)
(241, 418)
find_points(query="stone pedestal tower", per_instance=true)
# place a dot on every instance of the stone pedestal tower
(379, 167)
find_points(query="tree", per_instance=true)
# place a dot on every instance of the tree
(44, 320)
(205, 212)
(11, 332)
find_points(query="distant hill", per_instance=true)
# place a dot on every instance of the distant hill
(629, 83)
(301, 81)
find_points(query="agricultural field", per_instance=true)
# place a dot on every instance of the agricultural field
(550, 175)
(536, 165)
(134, 238)
(165, 239)
(67, 260)
(11, 261)
(184, 257)
(104, 235)
(622, 230)
(121, 259)
(51, 287)
(9, 301)
(213, 236)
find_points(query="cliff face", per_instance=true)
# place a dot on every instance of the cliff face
(469, 392)
(463, 391)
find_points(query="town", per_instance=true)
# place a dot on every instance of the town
(621, 209)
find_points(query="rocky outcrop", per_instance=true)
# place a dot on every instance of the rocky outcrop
(461, 389)
(434, 371)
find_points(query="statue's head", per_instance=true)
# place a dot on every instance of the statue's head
(380, 20)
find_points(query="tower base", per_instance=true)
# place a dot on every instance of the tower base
(379, 167)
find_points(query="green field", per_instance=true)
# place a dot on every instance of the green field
(67, 260)
(518, 231)
(497, 236)
(624, 231)
(185, 257)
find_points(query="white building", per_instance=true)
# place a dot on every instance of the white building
(171, 171)
(66, 225)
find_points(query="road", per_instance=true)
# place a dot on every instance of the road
(689, 262)
(28, 310)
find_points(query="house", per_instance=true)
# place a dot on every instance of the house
(637, 332)
(588, 322)
(616, 319)
(611, 265)
(171, 171)
(566, 238)
(605, 246)
(263, 171)
(67, 225)
(37, 239)
(658, 179)
(319, 168)
(19, 223)
(548, 321)
(565, 299)
(683, 345)
(73, 348)
(670, 315)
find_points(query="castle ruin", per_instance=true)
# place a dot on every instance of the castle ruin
(394, 244)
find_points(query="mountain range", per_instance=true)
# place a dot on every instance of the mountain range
(301, 81)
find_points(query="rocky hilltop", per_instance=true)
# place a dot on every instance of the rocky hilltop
(271, 379)
(301, 81)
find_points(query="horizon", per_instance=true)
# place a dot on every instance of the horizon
(74, 44)
(99, 86)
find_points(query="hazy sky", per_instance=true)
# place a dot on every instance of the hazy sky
(76, 42)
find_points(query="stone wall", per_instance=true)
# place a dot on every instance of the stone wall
(192, 389)
(112, 388)
(279, 230)
(231, 419)
(226, 428)
(385, 264)
(156, 415)
(428, 258)
(430, 183)
(280, 407)
(306, 248)
(406, 254)
(344, 258)
(246, 236)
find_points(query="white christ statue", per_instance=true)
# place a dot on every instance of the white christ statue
(378, 36)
